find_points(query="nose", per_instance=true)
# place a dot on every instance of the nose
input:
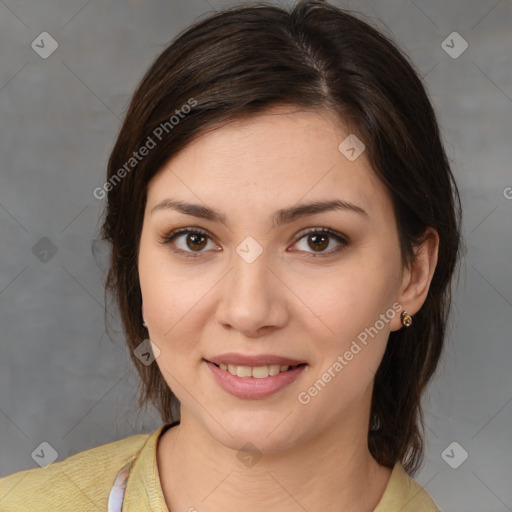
(253, 300)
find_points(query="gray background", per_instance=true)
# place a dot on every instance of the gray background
(62, 381)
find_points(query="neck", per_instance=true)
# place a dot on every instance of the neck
(332, 471)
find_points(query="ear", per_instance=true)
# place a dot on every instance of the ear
(416, 279)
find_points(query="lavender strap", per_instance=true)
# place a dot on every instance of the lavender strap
(116, 496)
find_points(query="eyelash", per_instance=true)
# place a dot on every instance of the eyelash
(167, 239)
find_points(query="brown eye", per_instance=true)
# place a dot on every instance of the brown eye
(187, 241)
(318, 242)
(196, 241)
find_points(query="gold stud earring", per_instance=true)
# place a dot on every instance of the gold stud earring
(406, 319)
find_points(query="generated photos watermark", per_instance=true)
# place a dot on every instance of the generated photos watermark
(150, 143)
(305, 397)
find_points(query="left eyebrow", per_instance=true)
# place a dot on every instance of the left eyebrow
(283, 216)
(288, 215)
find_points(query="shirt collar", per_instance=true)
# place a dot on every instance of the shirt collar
(143, 488)
(403, 493)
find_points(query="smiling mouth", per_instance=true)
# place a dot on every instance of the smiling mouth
(256, 372)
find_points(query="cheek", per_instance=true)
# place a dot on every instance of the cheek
(348, 337)
(173, 309)
(351, 297)
(171, 300)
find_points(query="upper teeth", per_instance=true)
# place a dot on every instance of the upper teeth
(258, 372)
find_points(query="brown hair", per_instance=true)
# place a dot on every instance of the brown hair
(242, 61)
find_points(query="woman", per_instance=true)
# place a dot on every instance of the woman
(284, 227)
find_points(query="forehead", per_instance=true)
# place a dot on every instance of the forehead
(279, 158)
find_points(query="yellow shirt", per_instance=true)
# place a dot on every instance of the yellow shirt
(84, 481)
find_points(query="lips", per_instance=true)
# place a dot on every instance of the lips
(253, 361)
(254, 387)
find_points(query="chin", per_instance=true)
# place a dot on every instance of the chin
(267, 432)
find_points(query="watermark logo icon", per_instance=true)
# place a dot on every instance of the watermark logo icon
(44, 250)
(44, 45)
(351, 147)
(45, 454)
(249, 455)
(146, 352)
(454, 45)
(454, 455)
(249, 249)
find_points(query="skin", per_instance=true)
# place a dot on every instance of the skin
(286, 302)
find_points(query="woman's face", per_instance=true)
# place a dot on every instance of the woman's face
(259, 284)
